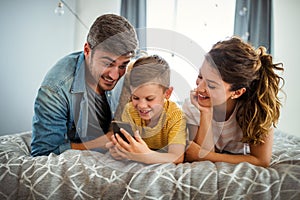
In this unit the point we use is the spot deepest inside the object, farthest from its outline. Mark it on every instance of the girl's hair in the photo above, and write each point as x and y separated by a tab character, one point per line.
240	65
150	69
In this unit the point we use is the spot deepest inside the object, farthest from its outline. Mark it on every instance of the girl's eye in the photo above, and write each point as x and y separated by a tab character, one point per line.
135	98
150	98
200	77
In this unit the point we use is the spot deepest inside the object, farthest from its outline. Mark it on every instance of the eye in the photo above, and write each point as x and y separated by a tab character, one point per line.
107	64
150	98
122	67
211	86
134	97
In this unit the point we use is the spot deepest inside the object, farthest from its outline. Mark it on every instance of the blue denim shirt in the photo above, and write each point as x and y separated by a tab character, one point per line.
61	103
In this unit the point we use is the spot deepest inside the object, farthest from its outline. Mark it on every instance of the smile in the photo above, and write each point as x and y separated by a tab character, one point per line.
144	112
108	79
202	96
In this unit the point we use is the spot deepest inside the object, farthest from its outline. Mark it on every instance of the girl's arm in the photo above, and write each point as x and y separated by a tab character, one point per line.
138	150
260	154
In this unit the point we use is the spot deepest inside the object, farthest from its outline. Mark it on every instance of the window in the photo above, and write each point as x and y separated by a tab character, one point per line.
181	31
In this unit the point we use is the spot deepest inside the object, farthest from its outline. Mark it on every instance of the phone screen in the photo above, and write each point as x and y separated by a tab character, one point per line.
116	125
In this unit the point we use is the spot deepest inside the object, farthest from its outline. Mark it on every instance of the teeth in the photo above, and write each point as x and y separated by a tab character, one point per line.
144	111
202	96
109	80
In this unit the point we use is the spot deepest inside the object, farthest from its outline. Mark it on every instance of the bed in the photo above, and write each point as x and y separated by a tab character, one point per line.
91	175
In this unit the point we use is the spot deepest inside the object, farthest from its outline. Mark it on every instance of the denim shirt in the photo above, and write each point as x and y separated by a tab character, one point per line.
61	106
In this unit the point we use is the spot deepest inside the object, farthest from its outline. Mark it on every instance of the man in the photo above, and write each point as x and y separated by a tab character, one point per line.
74	107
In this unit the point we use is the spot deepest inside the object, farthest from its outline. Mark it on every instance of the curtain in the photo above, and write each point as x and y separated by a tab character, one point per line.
253	22
135	12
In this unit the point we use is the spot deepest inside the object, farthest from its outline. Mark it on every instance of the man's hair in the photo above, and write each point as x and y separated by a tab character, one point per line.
114	34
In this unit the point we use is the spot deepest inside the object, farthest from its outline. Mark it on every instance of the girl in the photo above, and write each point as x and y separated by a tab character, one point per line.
161	135
237	105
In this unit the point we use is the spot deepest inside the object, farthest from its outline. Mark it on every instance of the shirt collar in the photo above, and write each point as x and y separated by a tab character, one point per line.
79	78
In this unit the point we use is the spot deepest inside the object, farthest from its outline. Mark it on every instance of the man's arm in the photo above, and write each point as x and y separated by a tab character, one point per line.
49	123
99	142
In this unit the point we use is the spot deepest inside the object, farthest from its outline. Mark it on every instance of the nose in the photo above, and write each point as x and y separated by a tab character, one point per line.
114	73
142	104
201	85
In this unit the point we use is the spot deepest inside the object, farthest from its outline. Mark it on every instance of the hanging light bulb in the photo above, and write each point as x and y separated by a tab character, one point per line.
59	10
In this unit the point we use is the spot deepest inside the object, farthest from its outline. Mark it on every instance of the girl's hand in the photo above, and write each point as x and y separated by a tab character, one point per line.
112	150
135	150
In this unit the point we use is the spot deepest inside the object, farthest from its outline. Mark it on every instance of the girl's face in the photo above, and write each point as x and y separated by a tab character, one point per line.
148	100
211	89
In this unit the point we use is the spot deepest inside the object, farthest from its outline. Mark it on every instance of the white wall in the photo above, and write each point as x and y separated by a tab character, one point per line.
286	50
89	10
33	38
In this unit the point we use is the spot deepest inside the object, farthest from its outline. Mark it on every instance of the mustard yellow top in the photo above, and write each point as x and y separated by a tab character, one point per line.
170	129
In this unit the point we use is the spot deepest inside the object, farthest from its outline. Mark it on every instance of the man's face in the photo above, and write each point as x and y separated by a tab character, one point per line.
104	69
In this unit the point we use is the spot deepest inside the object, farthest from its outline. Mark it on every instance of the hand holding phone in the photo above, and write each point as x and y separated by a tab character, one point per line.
116	125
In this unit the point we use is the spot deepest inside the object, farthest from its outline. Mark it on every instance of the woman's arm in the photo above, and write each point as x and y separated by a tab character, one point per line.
204	136
260	154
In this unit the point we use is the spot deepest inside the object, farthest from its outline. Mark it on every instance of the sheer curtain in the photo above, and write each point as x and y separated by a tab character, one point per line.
253	22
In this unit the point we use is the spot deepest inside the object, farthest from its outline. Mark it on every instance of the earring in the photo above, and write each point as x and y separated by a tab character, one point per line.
232	97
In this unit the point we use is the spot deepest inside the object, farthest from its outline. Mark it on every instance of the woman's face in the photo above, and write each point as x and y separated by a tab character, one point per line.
148	100
211	89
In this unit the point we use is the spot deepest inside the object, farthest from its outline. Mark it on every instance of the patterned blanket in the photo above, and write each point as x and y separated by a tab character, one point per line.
92	175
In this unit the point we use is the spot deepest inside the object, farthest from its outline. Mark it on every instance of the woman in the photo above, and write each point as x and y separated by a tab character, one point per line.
235	105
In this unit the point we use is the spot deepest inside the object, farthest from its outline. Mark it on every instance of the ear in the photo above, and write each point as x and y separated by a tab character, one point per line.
236	94
86	49
168	92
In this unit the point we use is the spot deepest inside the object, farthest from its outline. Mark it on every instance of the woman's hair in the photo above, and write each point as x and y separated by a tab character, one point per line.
113	33
240	65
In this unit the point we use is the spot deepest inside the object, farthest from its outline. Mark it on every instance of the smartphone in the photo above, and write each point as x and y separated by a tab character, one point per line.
116	125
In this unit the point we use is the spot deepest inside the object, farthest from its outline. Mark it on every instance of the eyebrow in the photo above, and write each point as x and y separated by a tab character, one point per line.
114	61
208	80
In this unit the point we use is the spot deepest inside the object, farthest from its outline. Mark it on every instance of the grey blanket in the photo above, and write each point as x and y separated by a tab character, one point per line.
92	175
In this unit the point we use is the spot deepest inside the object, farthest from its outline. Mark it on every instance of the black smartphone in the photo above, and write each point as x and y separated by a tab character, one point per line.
116	125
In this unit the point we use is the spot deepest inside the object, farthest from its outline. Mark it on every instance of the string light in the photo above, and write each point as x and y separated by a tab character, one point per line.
59	10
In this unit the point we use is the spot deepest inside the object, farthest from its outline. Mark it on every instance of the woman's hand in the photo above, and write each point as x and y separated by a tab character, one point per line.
194	101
